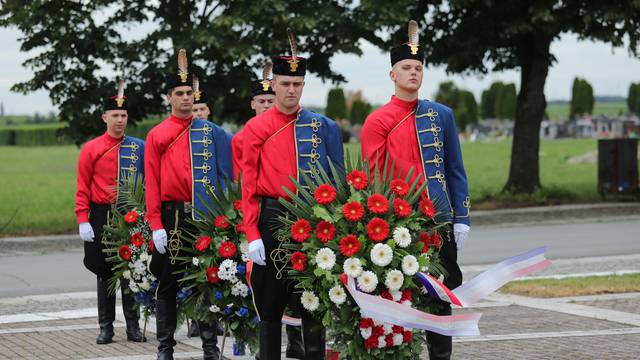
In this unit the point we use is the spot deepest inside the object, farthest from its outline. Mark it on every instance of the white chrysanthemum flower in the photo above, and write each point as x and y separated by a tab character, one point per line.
227	270
133	287
402	237
229	264
366	332
240	289
214	308
388	328
144	285
398	339
394	279
337	295
410	265
325	258
140	267
309	300
126	274
396	295
367	281
352	267
144	256
381	254
195	261
382	343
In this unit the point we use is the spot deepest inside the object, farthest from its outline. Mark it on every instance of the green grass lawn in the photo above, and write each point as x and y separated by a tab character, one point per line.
39	182
561	111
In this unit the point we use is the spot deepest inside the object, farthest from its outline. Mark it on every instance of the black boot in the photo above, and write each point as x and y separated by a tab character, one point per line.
295	348
132	317
314	339
192	329
106	313
270	340
209	340
166	326
439	346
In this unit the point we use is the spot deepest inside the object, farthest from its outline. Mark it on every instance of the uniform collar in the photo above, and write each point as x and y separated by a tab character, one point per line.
279	113
181	121
408	105
110	139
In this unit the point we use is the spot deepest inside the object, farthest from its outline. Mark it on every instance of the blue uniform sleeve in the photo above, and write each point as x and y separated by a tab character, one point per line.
335	149
454	171
224	156
141	170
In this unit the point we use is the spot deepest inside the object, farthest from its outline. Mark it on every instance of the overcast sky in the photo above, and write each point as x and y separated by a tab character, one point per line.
610	71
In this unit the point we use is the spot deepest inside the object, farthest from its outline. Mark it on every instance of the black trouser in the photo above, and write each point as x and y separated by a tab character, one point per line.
94	258
273	290
441	346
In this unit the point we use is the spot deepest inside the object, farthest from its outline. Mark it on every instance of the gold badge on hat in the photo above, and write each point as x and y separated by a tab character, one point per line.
120	96
265	85
293	65
414	37
266	74
183	67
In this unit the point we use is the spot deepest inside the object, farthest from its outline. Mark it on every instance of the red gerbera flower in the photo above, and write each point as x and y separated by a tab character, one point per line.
386	295
131	217
425	238
397	329
202	243
435	240
371	342
358	179
300	230
399	187
353	211
298	261
377	229
401	207
407	337
212	275
366	323
137	240
227	249
349	245
237	204
221	222
377	331
325	194
378	204
325	231
426	206
125	252
388	339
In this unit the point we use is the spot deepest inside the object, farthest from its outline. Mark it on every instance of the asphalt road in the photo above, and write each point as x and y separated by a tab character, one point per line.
64	272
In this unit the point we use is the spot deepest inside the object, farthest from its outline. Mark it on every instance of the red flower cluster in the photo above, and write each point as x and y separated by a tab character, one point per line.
349	245
325	194
137	240
125	252
378	204
227	249
300	230
202	243
212	275
237	205
325	231
353	211
430	240
399	187
426	206
131	217
377	229
221	222
401	207
358	179
298	261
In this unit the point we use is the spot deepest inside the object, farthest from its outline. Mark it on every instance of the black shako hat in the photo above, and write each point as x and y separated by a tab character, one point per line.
410	49
293	65
263	87
182	77
116	102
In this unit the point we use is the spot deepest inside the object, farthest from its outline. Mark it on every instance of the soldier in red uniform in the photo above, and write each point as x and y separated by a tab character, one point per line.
103	162
276	144
422	135
183	157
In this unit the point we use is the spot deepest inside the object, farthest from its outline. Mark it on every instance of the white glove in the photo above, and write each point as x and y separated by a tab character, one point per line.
160	240
256	252
86	232
461	234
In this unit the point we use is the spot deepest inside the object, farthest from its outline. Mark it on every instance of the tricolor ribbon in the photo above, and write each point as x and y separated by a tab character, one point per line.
487	282
395	313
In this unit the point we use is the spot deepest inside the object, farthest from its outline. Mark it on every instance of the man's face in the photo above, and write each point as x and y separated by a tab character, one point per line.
201	111
116	120
288	90
262	103
407	74
181	98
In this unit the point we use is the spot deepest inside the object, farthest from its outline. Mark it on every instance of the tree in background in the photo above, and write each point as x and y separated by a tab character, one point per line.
336	104
582	100
633	98
488	100
461	101
506	102
360	109
480	36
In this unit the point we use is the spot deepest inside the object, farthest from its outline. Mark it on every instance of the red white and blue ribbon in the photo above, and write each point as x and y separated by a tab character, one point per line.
487	282
395	313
